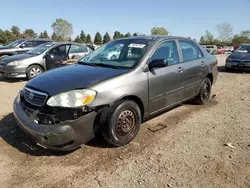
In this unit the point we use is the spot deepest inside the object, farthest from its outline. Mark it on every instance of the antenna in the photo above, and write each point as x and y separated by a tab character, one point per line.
172	30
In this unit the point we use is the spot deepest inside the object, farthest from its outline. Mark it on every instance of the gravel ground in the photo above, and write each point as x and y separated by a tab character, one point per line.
189	146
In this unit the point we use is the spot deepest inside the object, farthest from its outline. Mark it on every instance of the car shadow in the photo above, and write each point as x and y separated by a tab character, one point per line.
223	69
14	136
12	80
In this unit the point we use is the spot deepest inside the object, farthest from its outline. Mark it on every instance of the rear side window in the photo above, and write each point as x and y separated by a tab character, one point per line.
78	49
190	51
30	44
41	42
167	50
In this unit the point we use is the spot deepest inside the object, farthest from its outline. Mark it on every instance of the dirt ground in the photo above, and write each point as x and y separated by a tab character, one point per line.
185	147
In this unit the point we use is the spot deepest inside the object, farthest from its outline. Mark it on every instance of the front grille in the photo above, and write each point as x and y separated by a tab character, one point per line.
34	97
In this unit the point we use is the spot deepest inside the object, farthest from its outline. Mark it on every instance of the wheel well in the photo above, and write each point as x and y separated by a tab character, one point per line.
138	101
210	76
36	65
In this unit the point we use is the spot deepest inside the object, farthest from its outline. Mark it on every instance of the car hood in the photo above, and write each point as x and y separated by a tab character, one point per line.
242	56
72	77
4	48
16	58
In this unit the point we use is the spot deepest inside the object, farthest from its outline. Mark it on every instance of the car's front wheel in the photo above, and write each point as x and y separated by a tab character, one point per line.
33	71
123	123
205	92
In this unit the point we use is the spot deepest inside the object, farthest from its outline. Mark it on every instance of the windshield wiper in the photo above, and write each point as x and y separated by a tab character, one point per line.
89	64
105	65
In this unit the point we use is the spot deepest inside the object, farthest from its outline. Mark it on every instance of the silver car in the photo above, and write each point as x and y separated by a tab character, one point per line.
42	58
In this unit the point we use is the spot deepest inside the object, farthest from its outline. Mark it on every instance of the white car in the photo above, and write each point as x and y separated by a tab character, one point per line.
113	53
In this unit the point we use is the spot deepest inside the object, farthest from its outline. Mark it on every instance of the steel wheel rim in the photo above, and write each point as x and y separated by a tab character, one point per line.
126	123
35	71
205	91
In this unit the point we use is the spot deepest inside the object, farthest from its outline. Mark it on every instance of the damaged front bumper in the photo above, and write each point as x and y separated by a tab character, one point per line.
67	135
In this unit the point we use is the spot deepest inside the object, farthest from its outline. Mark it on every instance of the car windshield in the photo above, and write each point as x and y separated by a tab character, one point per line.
41	48
243	49
118	54
14	44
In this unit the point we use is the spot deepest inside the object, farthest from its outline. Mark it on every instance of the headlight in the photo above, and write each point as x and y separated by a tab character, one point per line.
74	98
14	63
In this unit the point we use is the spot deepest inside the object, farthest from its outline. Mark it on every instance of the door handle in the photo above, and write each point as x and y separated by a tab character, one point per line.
180	70
202	63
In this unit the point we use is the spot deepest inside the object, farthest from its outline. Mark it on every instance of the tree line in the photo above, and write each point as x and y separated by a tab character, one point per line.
226	37
62	31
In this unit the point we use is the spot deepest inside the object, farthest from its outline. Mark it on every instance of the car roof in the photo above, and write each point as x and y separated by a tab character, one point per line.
156	37
38	39
61	43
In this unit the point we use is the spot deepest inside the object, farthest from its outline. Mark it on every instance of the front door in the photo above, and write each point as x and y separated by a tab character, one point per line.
165	84
57	55
193	64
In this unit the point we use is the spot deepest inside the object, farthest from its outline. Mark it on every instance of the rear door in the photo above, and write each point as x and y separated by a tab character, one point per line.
56	55
77	51
166	83
193	64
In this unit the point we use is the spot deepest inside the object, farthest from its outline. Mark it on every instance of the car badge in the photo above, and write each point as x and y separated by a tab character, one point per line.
31	95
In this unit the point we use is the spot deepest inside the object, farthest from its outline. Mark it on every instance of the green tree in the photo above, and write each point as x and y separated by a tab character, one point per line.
159	31
238	39
15	32
202	40
88	39
127	34
29	33
135	34
245	33
78	39
54	37
117	35
83	36
3	37
225	31
106	38
98	38
62	28
70	39
44	35
209	38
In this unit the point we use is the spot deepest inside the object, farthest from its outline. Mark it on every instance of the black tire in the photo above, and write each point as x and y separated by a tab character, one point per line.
30	71
122	123
204	95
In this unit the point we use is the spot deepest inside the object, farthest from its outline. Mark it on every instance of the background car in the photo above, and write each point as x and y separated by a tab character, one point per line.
42	58
212	49
239	59
220	50
20	46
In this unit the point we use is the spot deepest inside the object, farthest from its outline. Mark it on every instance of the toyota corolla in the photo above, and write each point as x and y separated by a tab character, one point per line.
66	107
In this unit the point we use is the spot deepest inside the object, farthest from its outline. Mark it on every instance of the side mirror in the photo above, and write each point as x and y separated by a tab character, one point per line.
22	46
157	63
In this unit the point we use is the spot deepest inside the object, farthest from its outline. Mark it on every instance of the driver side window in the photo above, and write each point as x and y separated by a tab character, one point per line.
167	50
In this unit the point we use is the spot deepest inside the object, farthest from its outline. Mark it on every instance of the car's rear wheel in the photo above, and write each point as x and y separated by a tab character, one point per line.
33	71
122	123
204	95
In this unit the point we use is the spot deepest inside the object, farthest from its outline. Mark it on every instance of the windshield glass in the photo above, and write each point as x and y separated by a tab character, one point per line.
243	49
118	54
41	48
15	43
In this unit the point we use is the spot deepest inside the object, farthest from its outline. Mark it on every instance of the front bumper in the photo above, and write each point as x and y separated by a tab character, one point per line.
238	66
64	136
13	71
